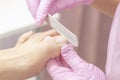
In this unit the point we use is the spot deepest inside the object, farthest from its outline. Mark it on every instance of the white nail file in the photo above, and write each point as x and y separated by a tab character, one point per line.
72	38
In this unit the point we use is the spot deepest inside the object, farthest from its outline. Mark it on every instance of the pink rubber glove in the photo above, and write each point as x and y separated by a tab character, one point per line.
72	67
40	8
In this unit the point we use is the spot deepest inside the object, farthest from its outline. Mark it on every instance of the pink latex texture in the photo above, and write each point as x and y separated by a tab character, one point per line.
113	56
40	8
71	67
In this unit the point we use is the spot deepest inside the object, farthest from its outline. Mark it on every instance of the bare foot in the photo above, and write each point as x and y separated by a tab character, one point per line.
24	37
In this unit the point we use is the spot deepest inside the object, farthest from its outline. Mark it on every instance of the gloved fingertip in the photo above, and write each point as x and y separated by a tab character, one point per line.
67	46
40	19
39	22
51	66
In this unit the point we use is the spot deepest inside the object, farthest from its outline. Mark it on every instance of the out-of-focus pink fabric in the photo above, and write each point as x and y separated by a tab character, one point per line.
40	8
113	57
72	67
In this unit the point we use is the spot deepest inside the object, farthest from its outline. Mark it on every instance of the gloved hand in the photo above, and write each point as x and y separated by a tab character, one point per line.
72	67
40	8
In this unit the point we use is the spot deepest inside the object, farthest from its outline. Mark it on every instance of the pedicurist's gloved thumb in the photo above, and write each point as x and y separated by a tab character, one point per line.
75	69
40	8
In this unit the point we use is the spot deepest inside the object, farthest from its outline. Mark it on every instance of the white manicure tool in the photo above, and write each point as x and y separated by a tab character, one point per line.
72	38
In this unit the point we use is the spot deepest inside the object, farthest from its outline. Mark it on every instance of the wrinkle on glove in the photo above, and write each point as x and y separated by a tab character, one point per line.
40	8
76	69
